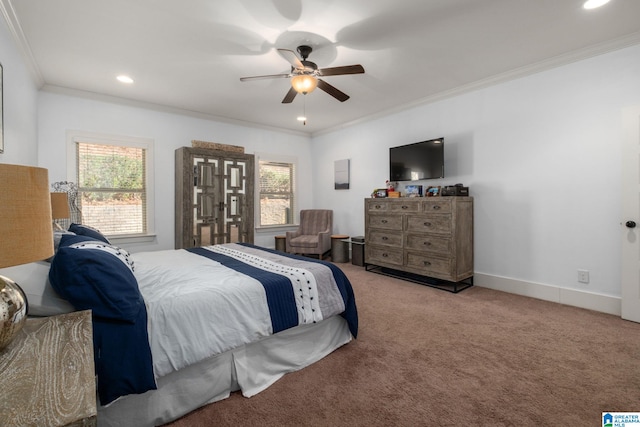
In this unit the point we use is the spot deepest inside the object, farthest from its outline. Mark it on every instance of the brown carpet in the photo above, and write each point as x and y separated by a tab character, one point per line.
425	357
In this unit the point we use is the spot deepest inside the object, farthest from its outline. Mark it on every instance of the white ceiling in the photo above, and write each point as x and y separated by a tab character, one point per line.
190	54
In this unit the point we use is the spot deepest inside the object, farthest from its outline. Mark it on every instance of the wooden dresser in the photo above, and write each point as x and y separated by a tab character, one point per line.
427	236
47	373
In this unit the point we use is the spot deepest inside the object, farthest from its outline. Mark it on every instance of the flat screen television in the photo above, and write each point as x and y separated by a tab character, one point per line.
414	162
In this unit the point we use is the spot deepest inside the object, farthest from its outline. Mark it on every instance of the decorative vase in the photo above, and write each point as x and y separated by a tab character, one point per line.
13	310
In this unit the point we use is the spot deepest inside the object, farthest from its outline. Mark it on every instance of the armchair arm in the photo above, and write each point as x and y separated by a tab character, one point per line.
324	238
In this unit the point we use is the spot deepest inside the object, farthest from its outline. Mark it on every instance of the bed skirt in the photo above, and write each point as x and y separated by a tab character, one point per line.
251	369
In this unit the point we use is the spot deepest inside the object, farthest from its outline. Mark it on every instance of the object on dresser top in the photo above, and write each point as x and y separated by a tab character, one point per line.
455	190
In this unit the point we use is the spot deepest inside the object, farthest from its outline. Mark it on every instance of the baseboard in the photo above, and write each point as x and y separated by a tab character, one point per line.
572	297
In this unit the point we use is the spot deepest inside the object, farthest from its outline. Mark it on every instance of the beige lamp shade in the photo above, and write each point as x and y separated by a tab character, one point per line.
26	232
59	206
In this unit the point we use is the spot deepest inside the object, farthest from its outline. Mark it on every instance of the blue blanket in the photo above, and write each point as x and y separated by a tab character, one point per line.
96	276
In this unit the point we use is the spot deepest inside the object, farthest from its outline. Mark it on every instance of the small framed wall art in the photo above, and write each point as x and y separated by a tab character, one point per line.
341	174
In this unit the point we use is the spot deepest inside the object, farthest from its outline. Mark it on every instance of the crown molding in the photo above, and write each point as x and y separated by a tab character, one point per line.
93	96
13	24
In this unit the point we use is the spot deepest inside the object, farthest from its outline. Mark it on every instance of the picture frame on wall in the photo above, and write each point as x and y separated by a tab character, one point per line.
341	174
1	114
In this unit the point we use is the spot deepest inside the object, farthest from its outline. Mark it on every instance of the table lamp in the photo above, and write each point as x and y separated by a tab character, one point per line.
59	208
26	235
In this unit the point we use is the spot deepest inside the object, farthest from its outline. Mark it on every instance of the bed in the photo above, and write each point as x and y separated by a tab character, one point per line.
177	329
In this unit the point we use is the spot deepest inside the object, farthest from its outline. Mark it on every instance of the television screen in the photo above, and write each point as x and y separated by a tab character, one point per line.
413	162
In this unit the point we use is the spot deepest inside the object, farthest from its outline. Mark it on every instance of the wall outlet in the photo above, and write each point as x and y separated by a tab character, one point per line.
583	276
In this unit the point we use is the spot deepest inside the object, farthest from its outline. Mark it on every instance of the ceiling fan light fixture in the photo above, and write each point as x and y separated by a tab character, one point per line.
594	4
124	79
304	83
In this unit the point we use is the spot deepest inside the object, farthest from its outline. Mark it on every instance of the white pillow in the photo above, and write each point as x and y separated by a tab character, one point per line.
33	278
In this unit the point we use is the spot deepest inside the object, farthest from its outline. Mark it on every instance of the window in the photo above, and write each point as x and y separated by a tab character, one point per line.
113	177
276	192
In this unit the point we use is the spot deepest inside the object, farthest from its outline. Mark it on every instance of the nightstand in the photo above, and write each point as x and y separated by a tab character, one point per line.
48	376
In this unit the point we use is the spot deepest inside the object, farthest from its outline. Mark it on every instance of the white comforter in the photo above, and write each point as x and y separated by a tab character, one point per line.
198	308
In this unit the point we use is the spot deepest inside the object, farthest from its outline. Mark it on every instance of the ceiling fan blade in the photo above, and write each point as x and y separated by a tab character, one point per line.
347	69
333	91
291	57
288	98
270	76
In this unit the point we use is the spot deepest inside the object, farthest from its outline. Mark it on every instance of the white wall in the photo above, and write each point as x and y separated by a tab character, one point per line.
59	113
19	106
541	156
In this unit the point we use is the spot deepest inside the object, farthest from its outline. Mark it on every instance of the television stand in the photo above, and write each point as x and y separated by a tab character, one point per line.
444	285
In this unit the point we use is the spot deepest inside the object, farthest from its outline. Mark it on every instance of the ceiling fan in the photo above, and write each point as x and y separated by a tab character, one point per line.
305	75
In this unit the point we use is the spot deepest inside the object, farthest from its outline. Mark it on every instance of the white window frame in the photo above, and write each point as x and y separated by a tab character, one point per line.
275	158
75	136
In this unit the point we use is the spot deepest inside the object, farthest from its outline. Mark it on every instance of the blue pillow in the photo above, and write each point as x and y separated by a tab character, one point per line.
96	276
85	230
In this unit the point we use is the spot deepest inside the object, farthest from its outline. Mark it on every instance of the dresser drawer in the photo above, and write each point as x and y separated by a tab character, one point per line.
429	243
386	222
439	205
429	224
387	238
405	206
431	265
375	254
378	205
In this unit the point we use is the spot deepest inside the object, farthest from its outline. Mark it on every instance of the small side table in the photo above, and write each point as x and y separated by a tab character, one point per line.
281	243
339	248
357	250
48	377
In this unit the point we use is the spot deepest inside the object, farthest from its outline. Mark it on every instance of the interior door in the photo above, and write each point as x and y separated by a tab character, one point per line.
630	225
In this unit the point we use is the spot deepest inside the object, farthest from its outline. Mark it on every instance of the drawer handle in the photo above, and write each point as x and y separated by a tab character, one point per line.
385	238
436	207
427	243
384	221
385	255
405	207
378	206
427	224
426	263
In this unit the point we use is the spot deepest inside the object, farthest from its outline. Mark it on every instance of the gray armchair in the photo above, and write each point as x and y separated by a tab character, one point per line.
313	237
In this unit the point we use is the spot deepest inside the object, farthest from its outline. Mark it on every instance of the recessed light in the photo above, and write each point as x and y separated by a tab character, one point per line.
301	118
593	4
124	79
